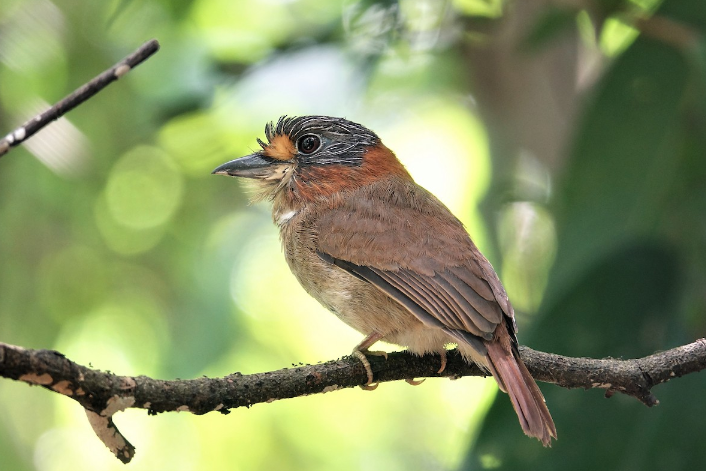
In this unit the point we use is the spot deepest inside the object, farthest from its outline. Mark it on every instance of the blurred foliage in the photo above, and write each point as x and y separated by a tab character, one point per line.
580	139
629	272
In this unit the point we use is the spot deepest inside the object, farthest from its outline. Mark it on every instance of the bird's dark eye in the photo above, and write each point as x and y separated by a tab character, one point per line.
308	144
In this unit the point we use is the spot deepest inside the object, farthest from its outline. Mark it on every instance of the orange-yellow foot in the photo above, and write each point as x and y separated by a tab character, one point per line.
369	386
360	350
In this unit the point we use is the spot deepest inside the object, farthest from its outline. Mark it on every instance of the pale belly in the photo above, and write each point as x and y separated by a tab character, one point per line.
360	304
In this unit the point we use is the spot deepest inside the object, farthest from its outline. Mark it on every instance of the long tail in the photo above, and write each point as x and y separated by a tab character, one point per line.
514	379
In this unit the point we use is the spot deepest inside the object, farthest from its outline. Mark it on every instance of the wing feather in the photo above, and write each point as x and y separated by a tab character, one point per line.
398	292
468	317
474	278
439	276
488	309
441	309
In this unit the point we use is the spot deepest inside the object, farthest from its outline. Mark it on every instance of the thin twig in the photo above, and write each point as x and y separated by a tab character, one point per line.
669	31
103	394
80	95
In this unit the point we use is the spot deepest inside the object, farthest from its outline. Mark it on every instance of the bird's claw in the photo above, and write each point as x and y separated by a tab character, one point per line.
443	362
369	386
366	364
377	353
415	382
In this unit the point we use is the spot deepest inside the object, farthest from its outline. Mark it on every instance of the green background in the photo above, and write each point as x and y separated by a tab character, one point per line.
570	144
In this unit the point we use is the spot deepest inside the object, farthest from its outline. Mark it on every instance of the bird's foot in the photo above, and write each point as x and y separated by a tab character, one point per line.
366	364
369	386
359	350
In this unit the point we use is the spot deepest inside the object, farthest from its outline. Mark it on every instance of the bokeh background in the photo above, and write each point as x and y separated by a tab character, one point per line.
569	136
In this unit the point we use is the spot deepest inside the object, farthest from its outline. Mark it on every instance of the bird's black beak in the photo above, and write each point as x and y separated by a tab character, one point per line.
251	166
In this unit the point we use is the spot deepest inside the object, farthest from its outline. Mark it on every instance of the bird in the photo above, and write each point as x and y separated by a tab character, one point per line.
385	255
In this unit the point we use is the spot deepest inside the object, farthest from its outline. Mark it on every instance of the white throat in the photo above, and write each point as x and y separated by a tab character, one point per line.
285	217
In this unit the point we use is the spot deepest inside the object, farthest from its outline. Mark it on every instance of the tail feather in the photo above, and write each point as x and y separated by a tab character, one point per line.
527	400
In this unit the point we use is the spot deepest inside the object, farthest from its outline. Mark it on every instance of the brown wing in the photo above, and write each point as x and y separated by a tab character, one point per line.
412	248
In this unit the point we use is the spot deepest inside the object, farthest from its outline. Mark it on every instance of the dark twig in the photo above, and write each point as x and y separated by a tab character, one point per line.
104	394
669	31
80	95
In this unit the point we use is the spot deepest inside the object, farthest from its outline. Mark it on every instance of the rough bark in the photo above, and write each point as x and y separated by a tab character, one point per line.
103	394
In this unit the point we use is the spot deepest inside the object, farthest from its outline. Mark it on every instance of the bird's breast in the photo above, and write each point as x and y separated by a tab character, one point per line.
356	302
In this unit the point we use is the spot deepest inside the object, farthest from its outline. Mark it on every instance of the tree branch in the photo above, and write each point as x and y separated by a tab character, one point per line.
80	95
103	394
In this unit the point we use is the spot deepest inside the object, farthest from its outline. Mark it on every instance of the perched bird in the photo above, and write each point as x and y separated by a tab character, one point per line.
385	255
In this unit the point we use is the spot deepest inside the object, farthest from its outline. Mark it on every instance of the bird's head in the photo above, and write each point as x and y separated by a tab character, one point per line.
311	157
